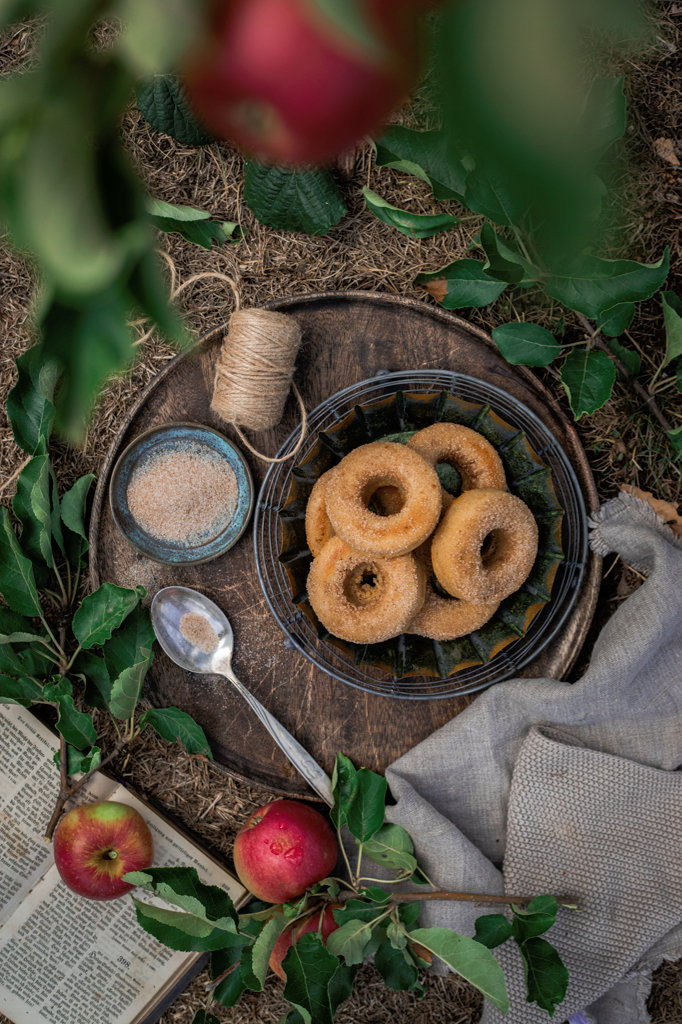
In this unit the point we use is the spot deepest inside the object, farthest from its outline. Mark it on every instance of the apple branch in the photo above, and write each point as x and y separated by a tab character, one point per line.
66	791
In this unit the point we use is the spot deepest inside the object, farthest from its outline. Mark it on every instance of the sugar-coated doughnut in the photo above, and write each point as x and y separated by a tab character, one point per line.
364	599
469	452
318	529
447	618
485	545
362	473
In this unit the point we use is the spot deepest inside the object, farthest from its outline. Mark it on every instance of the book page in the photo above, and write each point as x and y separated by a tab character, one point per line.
65	959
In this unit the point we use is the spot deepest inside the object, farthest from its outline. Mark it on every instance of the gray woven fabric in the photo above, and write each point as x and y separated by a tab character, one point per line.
573	787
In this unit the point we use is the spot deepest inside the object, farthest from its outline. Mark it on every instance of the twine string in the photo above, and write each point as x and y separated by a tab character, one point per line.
254	372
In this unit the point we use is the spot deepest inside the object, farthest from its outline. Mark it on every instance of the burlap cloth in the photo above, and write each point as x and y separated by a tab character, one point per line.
542	786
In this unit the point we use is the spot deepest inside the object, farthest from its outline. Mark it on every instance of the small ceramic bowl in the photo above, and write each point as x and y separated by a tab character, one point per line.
181	438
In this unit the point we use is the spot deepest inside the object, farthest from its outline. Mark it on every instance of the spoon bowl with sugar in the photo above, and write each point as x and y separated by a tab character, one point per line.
197	635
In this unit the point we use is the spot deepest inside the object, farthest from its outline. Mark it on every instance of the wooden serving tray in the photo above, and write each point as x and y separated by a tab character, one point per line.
347	337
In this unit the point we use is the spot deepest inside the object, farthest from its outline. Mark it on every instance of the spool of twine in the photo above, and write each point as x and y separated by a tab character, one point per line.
254	373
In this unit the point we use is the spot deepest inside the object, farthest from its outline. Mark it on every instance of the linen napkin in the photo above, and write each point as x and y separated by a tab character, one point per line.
545	786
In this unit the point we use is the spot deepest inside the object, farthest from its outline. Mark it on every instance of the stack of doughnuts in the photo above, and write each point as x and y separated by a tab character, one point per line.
393	552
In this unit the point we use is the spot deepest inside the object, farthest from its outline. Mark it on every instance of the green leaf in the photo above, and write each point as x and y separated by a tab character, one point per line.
391	846
317	983
524	344
30	406
228	991
58	687
344	780
126	689
183	888
102	612
427	155
468	958
77	761
487	193
264	945
672	317
397	968
588	376
367	806
604	115
96	679
17	581
186	932
462	283
307	201
10	622
194	225
675	437
537	918
32	507
178	727
593	285
72	508
631	360
155	34
163	102
19	691
615	320
21	638
350	940
76	727
503	262
492	930
130	643
408	913
359	910
204	1017
546	974
414	225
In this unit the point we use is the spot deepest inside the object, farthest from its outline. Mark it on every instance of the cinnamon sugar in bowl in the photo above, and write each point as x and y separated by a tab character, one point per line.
181	493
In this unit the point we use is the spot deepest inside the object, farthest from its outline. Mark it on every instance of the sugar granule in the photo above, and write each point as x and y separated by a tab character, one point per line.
199	632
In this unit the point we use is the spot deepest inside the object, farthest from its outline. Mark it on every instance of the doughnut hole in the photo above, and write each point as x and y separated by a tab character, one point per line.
363	584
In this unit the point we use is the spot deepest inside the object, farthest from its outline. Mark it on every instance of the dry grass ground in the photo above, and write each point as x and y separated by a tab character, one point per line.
623	443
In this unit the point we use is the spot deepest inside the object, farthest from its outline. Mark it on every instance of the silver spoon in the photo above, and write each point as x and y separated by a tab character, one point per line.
168	607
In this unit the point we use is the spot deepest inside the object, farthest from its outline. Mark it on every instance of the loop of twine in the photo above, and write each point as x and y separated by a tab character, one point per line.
250	386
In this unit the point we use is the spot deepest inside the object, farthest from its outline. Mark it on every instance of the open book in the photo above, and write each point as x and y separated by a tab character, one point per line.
65	959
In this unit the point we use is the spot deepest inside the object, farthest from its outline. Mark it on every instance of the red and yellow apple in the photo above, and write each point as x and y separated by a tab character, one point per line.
96	844
320	921
284	848
290	83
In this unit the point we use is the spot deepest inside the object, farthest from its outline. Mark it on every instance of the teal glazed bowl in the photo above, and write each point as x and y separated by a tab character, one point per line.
203	443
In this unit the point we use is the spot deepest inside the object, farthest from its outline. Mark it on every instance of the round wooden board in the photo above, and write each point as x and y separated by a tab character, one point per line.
347	337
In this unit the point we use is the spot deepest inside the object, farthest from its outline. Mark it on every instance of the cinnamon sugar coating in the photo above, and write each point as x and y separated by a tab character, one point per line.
485	546
368	470
469	452
318	529
364	599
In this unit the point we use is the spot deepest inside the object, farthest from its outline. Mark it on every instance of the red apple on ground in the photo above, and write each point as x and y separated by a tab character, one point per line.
292	84
285	847
96	844
321	921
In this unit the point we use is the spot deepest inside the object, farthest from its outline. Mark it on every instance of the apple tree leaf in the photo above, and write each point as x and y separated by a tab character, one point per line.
546	974
30	403
487	192
77	761
183	888
427	155
593	285
344	781
163	103
504	262
672	318
366	807
317	982
492	930
181	931
72	514
177	726
630	358
75	726
605	113
102	612
462	284
96	679
588	376
307	201
194	225
468	958
254	966
130	643
524	344
204	1017
360	910
397	968
17	579
225	961
615	320
32	506
126	689
414	225
537	918
19	691
391	846
350	940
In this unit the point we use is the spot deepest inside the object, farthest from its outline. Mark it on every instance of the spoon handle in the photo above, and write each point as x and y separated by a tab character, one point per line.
315	776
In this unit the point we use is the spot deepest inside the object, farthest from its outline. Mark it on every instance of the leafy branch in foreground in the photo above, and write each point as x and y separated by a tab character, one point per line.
341	922
55	649
512	253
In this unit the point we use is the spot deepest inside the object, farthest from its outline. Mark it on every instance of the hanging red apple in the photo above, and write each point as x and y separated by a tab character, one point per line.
290	84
